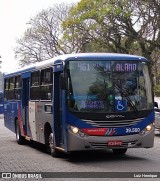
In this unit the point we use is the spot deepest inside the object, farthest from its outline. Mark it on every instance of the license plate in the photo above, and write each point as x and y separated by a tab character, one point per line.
114	143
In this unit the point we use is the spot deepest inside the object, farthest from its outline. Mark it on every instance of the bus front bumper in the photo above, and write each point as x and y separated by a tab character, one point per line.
77	142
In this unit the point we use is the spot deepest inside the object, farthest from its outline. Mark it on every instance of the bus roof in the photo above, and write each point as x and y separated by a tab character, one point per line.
78	56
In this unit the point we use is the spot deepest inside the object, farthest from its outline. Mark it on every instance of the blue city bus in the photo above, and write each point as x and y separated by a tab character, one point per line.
85	101
1	102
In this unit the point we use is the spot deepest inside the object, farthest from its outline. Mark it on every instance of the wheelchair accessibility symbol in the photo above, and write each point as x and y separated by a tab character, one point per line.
121	105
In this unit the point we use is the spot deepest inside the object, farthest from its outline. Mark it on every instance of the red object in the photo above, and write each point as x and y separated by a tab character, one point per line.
114	143
95	131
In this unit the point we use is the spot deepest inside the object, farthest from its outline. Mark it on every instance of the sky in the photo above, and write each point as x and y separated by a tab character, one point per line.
14	15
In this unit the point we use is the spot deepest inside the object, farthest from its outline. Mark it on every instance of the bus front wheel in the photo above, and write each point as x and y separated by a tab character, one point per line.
119	151
53	151
19	138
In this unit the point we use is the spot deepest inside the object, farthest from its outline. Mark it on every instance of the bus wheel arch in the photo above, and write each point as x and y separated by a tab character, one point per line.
49	141
47	131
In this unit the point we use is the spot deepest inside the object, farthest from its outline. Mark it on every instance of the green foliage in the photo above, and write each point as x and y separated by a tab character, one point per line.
98	21
123	26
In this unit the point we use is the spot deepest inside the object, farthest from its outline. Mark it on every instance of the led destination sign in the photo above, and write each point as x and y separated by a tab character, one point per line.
106	66
125	67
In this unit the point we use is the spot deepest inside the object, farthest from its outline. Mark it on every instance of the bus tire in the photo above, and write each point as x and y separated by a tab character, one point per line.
19	138
119	151
55	153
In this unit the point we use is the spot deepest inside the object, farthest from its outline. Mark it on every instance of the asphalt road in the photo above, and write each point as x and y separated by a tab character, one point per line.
32	158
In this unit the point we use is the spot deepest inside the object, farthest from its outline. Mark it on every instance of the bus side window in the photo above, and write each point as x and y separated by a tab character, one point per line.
35	86
11	88
6	87
46	84
18	83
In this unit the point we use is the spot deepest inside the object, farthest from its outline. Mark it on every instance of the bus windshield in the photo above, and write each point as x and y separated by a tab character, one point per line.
108	86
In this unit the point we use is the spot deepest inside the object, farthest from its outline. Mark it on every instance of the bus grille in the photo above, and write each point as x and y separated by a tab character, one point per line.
109	124
104	145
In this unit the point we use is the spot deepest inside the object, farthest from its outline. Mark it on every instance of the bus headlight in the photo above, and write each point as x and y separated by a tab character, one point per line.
147	129
74	129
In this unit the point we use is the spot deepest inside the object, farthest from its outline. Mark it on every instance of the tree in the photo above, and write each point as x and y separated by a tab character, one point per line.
124	26
42	40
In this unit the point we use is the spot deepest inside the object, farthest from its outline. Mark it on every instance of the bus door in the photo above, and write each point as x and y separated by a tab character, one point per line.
25	101
59	114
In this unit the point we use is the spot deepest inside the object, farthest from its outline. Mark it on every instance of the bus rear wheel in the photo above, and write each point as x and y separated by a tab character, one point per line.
55	153
19	138
119	151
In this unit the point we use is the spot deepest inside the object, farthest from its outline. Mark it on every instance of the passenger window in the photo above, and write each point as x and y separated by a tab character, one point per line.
18	84
6	87
46	76
35	86
11	88
35	77
46	84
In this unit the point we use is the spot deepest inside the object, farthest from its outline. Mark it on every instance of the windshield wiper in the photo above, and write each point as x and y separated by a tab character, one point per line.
124	94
